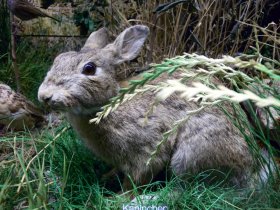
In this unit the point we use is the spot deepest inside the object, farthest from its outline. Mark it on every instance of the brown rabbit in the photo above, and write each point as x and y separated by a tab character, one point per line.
79	83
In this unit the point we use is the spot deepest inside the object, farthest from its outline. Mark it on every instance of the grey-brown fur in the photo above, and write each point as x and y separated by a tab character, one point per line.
125	139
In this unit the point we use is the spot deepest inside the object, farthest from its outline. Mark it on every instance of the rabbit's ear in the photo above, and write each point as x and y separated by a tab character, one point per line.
129	43
97	40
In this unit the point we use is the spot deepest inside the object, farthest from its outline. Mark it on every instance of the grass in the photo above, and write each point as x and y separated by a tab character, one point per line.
54	176
204	27
63	174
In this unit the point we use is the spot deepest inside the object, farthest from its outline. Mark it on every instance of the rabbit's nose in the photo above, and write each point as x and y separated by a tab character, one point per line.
45	95
45	98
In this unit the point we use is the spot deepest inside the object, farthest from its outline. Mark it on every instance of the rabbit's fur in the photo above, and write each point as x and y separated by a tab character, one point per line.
125	138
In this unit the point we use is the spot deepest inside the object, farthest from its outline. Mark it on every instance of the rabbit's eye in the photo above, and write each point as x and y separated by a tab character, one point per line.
89	69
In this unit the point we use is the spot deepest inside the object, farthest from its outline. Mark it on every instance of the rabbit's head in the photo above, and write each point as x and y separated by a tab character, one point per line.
79	82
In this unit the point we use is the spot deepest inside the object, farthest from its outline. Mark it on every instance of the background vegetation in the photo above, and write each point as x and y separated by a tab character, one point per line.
52	169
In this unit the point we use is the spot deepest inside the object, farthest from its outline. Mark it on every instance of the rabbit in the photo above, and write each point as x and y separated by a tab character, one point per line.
80	83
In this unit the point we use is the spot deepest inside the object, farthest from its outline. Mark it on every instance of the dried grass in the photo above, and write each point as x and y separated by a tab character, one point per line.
212	28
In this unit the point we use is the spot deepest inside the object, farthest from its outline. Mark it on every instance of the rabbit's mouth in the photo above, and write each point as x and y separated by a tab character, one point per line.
56	106
75	108
58	100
